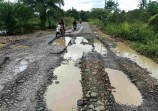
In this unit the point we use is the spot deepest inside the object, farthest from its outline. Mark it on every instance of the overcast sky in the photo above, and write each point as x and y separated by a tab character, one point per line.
89	4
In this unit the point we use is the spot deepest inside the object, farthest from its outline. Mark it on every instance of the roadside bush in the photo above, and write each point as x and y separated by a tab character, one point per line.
150	49
98	23
113	29
137	26
69	21
125	30
16	18
154	22
140	32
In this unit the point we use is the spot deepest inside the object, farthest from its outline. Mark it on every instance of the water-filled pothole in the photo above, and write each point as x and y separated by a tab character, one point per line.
125	51
22	65
63	95
125	92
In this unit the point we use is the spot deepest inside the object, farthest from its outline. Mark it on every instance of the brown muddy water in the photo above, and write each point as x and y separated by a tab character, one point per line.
125	51
125	92
63	94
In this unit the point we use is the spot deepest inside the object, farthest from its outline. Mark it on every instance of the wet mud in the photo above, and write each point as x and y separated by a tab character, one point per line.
80	72
66	90
144	62
139	76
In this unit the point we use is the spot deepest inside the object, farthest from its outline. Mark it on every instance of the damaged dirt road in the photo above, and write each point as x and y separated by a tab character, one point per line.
79	72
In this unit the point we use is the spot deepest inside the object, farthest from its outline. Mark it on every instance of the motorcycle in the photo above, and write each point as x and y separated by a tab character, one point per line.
60	30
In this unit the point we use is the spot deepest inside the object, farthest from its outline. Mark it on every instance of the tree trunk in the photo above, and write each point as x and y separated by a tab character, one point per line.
43	18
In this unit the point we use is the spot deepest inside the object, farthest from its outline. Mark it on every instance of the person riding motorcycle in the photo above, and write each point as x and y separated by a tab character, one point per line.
60	30
62	24
74	25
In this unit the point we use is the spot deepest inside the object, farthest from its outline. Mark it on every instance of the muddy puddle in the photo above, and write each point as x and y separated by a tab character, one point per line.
63	94
21	66
66	90
125	92
80	45
125	51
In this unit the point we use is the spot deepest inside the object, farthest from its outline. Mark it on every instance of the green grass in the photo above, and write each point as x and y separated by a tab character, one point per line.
143	38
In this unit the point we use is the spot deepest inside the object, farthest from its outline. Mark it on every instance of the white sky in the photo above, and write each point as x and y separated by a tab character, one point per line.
89	4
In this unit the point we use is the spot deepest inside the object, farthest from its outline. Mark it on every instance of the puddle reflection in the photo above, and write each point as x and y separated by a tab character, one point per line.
64	96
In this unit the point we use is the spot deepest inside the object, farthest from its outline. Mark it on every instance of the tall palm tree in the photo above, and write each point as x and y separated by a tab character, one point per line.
44	6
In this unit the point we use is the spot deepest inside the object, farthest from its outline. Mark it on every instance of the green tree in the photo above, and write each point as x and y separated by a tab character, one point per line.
84	15
111	5
152	7
15	17
7	19
23	15
101	14
143	3
72	13
98	13
140	15
54	16
44	6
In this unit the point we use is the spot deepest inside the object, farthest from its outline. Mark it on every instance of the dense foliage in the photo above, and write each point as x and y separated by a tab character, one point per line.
83	15
15	17
139	26
27	15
